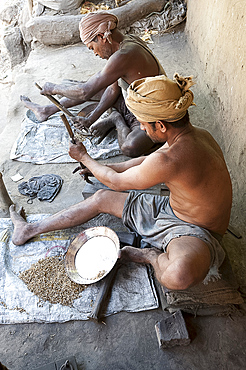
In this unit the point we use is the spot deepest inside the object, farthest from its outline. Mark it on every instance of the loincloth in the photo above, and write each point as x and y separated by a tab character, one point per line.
152	217
130	120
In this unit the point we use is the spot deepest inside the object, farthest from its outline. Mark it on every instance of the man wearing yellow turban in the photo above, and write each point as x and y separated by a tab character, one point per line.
181	232
128	58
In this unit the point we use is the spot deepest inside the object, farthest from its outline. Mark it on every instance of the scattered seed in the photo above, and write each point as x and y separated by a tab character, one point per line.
48	280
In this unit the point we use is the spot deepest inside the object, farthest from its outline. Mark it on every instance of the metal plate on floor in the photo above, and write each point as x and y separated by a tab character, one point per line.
92	255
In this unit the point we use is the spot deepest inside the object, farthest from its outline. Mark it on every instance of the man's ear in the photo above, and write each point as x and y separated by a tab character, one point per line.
101	36
161	126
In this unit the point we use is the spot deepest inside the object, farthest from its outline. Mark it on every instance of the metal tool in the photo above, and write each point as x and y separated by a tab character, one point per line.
67	366
85	131
70	132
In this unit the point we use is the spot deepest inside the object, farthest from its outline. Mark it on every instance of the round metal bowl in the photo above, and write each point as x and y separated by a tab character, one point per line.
92	255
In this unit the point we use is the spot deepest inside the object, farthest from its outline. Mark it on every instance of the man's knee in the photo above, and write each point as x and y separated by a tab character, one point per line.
181	275
130	149
100	196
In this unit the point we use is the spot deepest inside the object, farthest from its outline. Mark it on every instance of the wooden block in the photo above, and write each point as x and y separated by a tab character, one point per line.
234	231
129	238
2	367
172	331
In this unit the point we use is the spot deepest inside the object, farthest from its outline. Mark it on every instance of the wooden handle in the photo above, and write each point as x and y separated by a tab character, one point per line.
68	127
103	293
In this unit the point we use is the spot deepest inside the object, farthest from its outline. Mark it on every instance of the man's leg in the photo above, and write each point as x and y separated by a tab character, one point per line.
135	142
103	201
132	141
185	264
43	112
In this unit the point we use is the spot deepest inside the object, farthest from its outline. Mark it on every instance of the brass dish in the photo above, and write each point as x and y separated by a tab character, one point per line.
92	255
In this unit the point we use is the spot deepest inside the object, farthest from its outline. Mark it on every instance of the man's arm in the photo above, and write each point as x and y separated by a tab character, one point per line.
113	70
79	92
139	173
123	166
107	100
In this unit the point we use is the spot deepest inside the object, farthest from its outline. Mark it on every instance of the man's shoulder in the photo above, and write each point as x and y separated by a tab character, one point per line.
126	55
132	43
162	154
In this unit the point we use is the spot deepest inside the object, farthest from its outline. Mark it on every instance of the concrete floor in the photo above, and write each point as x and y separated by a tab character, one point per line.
127	341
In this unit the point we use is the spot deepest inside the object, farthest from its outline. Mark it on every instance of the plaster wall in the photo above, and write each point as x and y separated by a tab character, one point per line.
216	31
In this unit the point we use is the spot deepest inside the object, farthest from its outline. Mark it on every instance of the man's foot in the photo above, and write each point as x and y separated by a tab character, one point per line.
37	109
145	255
101	128
21	228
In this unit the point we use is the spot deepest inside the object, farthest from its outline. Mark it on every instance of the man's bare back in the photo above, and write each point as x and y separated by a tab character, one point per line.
199	169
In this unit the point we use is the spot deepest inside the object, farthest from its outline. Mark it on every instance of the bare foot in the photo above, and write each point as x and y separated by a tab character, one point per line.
37	109
21	228
145	255
100	128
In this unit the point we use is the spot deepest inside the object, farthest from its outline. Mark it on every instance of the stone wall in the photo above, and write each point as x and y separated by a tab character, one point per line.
217	33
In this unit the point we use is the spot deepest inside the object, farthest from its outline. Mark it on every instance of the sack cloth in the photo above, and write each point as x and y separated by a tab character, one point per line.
45	187
219	297
48	141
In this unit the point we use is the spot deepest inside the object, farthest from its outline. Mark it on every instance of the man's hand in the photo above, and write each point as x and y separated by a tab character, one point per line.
85	171
81	122
77	151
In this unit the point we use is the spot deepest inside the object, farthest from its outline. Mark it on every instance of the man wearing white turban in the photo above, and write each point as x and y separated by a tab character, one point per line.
128	58
181	233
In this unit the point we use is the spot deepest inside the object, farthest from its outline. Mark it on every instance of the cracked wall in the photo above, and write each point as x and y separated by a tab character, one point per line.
217	34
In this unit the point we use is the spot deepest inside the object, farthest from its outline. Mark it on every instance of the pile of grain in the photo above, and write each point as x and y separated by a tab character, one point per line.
48	280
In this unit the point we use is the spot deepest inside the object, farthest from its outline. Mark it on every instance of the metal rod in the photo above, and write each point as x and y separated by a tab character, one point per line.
70	132
63	109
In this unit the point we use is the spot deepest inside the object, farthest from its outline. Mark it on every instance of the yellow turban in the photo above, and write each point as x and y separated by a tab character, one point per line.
97	22
158	98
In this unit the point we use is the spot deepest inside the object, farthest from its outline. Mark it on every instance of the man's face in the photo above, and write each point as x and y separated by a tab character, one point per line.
101	47
152	132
